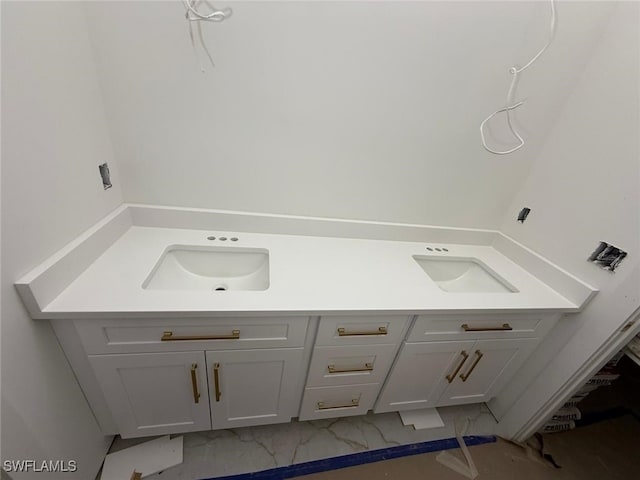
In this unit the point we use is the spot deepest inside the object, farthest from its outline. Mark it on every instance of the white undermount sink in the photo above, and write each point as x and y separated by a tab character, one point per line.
217	269
463	275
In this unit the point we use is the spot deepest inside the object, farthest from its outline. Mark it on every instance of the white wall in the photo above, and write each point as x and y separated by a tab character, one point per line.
585	188
366	110
54	135
330	109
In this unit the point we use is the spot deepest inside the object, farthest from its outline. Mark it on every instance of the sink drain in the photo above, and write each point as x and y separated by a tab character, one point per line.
220	288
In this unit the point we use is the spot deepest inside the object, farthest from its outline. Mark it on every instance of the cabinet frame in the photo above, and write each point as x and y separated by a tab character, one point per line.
304	334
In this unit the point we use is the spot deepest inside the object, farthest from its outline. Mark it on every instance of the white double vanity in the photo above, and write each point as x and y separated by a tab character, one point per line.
185	320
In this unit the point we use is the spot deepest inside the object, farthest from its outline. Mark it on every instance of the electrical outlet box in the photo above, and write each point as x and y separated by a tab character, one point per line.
607	256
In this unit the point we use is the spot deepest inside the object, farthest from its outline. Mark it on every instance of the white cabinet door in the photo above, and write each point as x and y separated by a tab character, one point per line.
419	375
254	387
490	365
155	393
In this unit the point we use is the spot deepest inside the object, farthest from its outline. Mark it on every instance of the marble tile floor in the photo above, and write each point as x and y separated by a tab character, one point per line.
219	453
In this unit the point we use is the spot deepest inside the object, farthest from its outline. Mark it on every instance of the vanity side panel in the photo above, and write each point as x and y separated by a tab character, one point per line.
77	357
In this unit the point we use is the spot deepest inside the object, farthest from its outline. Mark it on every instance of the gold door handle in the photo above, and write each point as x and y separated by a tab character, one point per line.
505	327
355	402
479	355
216	380
451	377
169	337
368	367
194	383
343	333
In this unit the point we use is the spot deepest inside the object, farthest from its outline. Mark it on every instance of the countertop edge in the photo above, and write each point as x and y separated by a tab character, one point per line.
289	313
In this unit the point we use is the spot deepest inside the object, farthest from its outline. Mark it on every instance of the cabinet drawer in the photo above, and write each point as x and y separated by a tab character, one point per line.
459	327
161	335
332	402
350	364
361	329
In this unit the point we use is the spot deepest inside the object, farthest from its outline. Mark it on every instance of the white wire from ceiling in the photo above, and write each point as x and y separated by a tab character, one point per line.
515	71
195	15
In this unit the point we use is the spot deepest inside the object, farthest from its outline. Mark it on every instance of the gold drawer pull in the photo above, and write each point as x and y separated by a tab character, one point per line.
355	402
368	367
194	383
343	333
505	327
450	378
216	380
168	337
479	355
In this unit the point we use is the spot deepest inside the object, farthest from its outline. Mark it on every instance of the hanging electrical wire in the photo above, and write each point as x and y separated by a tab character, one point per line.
194	14
515	72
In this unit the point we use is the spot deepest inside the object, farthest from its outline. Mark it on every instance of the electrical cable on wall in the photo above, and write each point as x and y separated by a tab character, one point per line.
515	71
194	14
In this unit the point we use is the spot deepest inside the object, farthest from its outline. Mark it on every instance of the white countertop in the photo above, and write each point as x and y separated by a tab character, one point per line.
309	275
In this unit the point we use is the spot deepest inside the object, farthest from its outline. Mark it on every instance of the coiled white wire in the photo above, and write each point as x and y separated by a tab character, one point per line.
515	71
194	15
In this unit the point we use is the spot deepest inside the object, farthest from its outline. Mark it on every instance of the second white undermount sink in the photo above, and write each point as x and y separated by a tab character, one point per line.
463	275
186	267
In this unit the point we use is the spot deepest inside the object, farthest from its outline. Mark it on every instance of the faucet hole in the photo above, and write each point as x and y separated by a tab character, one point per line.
220	288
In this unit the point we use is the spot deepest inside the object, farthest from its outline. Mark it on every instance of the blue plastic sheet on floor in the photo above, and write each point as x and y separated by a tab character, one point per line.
359	458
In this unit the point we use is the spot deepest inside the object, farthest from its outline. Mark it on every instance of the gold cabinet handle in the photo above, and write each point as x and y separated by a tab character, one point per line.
194	383
216	381
368	367
169	337
355	402
451	377
505	327
343	333
479	355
